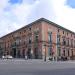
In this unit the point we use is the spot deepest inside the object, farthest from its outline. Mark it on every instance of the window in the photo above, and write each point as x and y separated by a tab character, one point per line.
68	42
64	42
24	42
36	38
59	51
14	43
29	40
58	39
0	46
8	44
67	34
68	52
18	41
64	52
71	42
20	32
74	43
71	35
72	52
24	31
49	51
50	37
63	32
58	30
29	28
29	53
11	35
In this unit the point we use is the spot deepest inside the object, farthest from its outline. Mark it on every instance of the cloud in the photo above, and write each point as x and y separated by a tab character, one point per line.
15	16
57	11
65	15
43	9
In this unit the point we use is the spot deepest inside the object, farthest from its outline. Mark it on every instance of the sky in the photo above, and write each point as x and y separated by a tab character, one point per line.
15	14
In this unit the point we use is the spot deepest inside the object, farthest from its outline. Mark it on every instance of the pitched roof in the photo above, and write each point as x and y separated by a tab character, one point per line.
39	20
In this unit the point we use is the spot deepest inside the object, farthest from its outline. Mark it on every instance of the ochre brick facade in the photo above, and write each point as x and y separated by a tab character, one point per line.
39	39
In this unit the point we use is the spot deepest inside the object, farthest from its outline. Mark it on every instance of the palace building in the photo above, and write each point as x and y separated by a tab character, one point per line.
38	40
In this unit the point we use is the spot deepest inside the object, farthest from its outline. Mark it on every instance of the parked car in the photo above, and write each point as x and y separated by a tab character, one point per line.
64	58
7	57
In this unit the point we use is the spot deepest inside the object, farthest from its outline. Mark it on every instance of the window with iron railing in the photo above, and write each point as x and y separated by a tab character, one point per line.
58	39
13	44
59	51
74	43
67	41
36	38
49	51
30	40
68	53
0	46
50	37
64	41
17	42
24	42
71	42
63	52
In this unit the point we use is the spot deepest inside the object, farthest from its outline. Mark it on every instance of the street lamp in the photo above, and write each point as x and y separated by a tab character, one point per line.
45	52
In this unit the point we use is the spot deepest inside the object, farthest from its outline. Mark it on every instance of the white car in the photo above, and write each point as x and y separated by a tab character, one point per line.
7	57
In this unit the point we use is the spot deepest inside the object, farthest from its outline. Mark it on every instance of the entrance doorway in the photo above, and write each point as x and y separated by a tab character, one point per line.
36	53
29	53
23	53
18	54
14	52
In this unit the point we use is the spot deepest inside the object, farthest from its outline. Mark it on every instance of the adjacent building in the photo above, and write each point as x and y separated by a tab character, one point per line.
38	40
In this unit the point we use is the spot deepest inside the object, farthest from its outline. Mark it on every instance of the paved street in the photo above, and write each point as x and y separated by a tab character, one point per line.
36	67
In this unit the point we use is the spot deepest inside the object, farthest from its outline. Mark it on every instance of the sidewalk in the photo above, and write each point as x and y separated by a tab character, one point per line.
34	60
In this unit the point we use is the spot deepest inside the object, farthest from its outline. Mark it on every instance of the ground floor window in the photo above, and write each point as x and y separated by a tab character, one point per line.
14	52
59	51
23	53
68	52
50	51
36	55
18	54
63	52
29	53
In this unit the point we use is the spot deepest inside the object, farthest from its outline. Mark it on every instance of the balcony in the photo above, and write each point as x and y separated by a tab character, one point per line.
64	43
58	43
13	45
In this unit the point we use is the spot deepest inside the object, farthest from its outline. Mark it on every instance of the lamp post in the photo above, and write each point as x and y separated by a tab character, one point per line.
45	52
